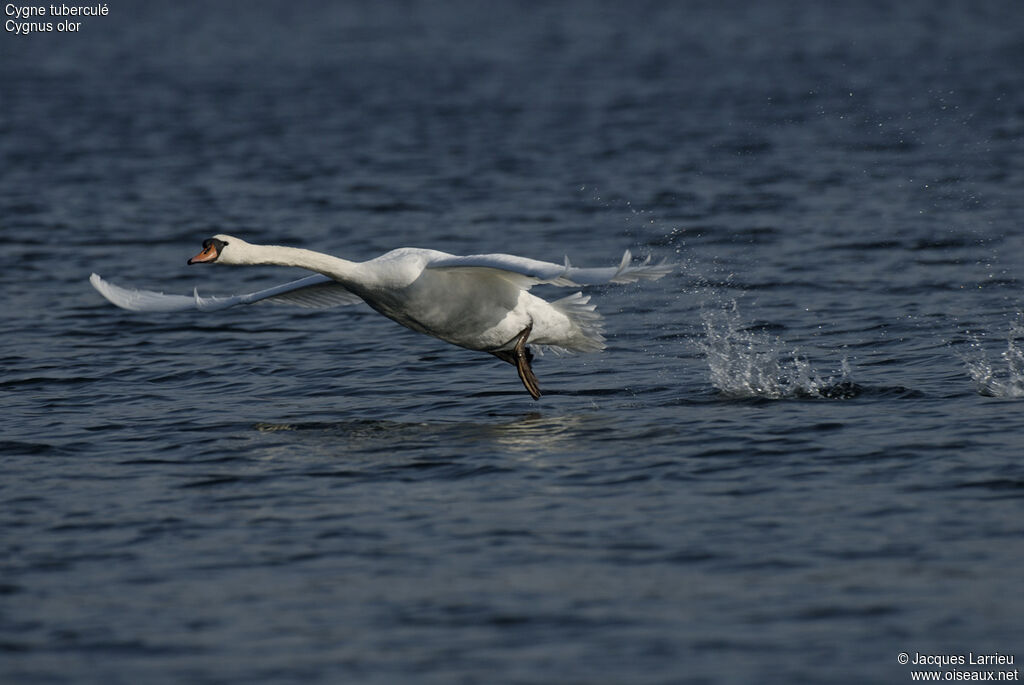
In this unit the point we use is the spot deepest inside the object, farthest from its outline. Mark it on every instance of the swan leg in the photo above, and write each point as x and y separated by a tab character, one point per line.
521	356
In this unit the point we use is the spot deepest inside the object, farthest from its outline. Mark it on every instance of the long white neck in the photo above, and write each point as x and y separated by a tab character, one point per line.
246	253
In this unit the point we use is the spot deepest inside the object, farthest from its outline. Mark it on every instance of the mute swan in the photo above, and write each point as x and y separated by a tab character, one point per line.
480	302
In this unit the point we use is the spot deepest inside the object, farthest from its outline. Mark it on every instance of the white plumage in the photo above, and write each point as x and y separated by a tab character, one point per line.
480	302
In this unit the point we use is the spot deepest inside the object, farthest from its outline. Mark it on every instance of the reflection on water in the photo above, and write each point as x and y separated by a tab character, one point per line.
538	433
530	433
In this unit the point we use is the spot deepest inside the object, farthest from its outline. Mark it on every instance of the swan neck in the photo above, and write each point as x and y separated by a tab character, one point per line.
280	255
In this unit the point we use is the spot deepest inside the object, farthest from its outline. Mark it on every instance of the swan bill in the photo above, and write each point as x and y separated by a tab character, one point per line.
210	253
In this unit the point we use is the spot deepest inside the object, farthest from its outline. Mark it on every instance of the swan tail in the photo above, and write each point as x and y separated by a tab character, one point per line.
589	324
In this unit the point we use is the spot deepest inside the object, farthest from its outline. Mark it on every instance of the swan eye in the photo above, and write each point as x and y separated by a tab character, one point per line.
215	244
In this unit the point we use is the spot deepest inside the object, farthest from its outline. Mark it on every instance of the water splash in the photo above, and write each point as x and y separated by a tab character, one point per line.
1005	381
751	364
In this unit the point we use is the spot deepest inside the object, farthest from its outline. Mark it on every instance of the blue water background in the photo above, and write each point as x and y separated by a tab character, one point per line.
800	455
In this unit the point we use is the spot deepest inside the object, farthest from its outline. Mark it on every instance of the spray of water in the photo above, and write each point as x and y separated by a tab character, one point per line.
747	363
995	379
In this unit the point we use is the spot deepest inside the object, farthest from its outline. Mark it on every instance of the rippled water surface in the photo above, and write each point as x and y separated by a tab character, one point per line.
800	455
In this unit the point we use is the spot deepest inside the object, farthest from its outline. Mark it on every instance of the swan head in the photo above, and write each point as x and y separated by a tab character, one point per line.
222	249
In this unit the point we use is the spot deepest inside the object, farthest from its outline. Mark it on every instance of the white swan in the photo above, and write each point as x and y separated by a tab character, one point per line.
480	302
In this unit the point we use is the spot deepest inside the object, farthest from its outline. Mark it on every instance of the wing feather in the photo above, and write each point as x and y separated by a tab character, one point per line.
527	272
313	291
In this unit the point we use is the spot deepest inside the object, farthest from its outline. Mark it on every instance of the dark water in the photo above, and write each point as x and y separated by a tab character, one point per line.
800	455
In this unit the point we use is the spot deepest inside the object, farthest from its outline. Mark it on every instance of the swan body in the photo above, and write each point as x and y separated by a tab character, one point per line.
479	302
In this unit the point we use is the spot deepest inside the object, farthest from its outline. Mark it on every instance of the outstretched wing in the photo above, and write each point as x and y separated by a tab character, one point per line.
313	291
528	272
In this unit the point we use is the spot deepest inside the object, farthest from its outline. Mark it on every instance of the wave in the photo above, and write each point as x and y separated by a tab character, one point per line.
749	364
995	379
